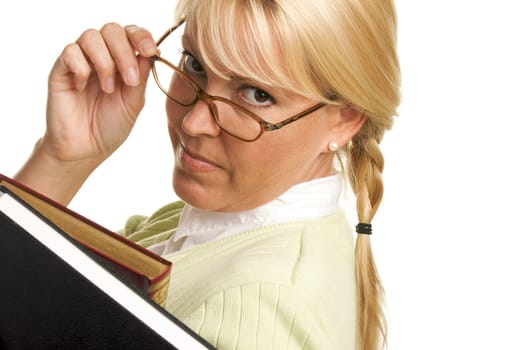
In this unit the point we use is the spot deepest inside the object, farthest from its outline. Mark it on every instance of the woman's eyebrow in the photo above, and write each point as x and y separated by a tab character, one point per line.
185	40
186	43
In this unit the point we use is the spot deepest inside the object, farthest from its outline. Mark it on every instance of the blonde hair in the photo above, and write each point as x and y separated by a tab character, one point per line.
320	49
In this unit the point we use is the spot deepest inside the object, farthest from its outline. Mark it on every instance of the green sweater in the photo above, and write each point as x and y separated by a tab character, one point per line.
283	286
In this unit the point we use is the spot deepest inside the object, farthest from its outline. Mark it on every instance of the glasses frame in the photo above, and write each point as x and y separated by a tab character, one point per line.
209	99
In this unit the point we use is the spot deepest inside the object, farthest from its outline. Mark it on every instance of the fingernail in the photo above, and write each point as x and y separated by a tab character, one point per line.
132	28
133	76
148	47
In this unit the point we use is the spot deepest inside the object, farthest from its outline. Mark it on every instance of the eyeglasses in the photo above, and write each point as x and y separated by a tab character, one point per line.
234	119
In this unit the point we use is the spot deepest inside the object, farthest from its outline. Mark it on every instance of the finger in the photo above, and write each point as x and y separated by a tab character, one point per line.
122	52
134	96
94	48
72	62
144	68
141	40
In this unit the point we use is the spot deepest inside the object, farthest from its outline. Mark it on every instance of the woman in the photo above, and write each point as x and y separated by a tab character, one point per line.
263	97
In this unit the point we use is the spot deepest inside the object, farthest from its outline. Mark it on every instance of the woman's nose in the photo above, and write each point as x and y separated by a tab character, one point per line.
199	120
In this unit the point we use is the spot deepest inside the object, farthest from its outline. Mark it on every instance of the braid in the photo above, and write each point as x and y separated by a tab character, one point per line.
365	167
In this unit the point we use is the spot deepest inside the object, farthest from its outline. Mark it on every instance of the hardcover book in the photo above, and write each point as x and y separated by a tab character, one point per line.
69	283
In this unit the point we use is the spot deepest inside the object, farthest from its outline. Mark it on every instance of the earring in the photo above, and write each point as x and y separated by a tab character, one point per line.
333	146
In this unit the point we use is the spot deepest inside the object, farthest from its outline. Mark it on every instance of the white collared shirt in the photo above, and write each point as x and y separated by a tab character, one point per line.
308	200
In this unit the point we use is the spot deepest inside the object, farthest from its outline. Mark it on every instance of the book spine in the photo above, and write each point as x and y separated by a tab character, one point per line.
158	291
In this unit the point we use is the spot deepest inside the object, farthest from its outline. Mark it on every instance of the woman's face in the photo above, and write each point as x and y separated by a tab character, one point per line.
215	171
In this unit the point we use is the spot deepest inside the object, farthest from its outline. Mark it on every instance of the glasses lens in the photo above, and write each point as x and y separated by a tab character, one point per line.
236	121
175	74
174	83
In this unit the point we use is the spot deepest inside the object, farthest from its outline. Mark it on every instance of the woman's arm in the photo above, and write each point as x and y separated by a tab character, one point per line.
96	90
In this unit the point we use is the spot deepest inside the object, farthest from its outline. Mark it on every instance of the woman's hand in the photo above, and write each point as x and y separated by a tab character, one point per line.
96	90
95	93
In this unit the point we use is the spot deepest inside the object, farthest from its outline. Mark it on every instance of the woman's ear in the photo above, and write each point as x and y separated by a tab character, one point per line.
348	122
353	119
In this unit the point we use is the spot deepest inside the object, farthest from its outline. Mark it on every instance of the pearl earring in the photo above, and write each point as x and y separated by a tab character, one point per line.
333	146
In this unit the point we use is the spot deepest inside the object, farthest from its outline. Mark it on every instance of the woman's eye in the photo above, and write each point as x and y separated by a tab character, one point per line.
255	96
190	64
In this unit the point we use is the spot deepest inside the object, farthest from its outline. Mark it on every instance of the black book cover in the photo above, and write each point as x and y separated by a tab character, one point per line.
47	304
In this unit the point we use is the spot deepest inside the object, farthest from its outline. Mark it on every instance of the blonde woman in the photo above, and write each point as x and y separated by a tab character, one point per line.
262	97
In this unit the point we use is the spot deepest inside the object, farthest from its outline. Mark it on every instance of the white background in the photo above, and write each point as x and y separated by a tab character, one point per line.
449	237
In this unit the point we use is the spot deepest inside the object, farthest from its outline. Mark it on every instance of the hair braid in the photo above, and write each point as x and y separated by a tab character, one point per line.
365	167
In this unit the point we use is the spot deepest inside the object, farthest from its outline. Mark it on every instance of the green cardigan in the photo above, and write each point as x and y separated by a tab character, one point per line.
283	286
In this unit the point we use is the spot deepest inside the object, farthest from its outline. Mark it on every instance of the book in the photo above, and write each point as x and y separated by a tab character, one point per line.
68	283
146	270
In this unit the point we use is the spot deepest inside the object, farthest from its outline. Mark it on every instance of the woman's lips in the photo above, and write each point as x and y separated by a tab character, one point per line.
195	162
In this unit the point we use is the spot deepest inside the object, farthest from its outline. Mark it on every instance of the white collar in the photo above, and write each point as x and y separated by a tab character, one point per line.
308	200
